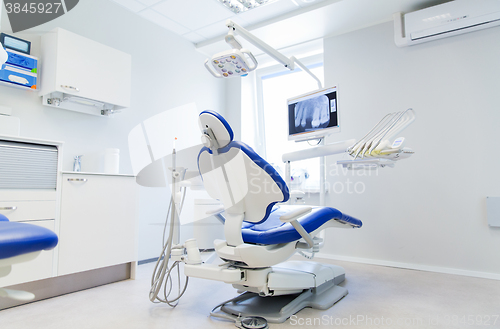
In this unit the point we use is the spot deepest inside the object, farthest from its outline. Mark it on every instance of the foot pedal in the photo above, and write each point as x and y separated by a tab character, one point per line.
252	322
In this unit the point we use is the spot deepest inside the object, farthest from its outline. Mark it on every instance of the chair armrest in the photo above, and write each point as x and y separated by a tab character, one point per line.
303	233
215	211
293	215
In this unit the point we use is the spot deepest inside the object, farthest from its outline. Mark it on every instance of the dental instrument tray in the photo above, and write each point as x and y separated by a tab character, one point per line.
380	142
366	163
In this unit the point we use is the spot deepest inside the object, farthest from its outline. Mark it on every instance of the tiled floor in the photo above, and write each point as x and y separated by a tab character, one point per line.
379	297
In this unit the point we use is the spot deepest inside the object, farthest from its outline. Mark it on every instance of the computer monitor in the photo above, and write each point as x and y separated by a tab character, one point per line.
313	115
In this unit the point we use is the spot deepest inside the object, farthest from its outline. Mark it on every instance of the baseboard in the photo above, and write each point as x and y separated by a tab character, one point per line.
436	269
147	261
70	283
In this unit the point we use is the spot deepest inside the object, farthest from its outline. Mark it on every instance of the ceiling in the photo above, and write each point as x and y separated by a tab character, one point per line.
201	20
282	23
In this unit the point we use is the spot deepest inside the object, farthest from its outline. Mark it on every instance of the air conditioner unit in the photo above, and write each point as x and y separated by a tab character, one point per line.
445	20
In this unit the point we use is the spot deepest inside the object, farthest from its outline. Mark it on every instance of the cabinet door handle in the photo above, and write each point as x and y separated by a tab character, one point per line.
8	208
70	87
77	179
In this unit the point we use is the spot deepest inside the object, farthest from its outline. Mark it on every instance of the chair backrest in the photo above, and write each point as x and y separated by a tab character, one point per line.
235	174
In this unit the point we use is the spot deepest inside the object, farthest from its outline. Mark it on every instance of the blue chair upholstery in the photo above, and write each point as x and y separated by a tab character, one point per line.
261	163
20	238
274	231
270	230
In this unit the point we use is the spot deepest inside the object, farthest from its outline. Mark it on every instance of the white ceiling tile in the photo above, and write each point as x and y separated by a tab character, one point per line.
240	21
193	37
306	3
132	5
193	14
268	11
163	21
149	2
213	30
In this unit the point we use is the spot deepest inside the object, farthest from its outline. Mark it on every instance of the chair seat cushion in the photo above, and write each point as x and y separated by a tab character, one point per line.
274	231
20	238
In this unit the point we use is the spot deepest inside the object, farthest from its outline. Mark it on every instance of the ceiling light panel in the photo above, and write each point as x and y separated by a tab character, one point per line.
240	6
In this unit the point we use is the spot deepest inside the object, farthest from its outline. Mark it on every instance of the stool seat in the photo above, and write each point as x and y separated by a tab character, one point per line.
21	238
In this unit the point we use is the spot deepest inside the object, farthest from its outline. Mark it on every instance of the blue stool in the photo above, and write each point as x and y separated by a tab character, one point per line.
21	242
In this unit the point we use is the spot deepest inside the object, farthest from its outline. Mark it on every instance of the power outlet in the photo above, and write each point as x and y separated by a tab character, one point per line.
493	210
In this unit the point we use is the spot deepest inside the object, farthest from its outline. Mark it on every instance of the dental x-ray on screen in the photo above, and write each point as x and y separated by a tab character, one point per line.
313	115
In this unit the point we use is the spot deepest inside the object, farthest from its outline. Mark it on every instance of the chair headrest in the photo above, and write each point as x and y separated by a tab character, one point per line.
217	133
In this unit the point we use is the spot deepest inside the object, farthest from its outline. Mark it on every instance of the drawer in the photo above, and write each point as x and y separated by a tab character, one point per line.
21	211
28	194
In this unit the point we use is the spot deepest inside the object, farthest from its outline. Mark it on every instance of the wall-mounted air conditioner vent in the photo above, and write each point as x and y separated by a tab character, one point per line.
449	19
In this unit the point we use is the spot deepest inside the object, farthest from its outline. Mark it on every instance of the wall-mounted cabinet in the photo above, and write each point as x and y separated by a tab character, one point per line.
83	75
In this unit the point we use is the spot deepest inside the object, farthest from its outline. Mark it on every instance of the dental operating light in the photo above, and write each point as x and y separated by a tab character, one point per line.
238	58
232	63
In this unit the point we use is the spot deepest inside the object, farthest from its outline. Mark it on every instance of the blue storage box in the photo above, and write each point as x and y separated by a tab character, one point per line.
22	61
17	76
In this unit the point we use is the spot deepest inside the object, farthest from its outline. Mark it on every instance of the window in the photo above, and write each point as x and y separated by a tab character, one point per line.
277	87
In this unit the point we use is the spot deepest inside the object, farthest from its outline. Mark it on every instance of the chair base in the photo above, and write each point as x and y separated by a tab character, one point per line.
277	309
5	269
19	295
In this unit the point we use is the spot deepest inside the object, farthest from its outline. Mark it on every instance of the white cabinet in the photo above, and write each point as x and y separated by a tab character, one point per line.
29	194
98	222
83	75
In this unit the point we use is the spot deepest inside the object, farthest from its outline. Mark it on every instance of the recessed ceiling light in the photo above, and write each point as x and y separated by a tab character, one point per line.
239	6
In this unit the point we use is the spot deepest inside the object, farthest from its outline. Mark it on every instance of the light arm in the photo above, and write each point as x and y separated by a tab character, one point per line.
279	57
302	66
289	63
231	40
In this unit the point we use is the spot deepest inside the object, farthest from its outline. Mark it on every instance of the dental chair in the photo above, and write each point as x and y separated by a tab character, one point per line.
262	233
20	242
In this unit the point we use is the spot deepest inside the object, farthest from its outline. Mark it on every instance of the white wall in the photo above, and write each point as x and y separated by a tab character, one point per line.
166	72
234	105
430	211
